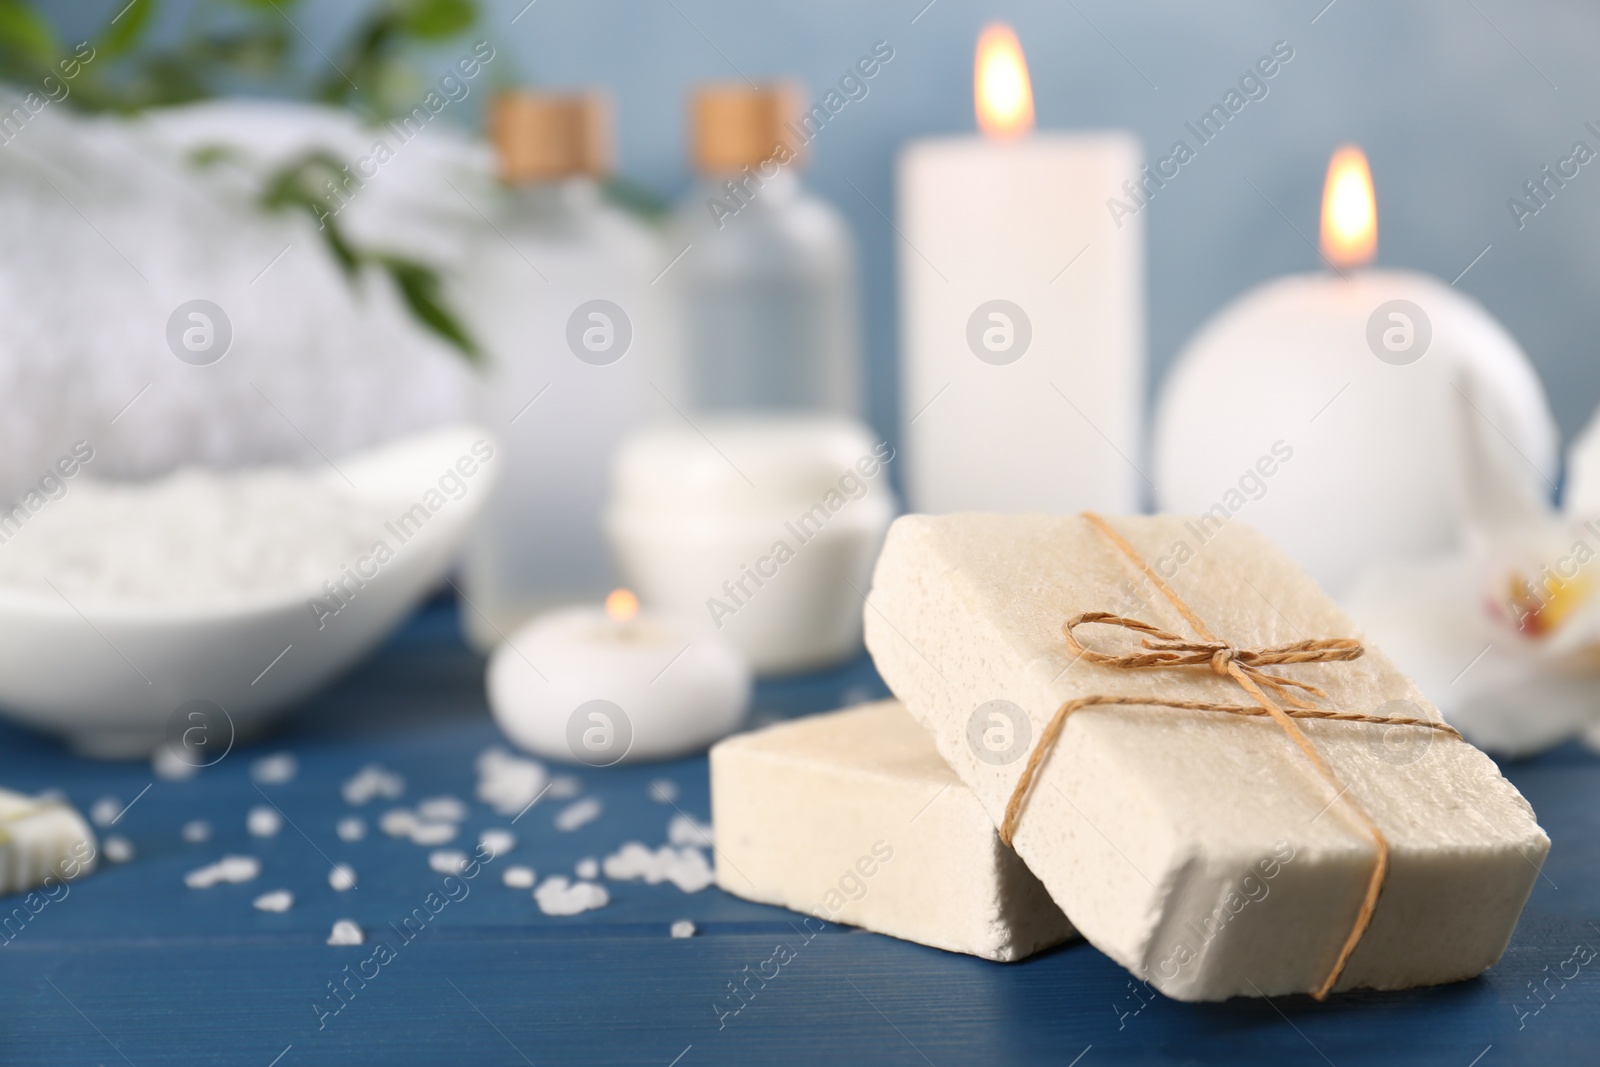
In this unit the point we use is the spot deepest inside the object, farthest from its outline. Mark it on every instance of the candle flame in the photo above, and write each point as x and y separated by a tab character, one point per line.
1001	91
621	605
1349	210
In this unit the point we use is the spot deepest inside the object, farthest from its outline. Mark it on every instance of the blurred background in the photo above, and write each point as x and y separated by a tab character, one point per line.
1457	105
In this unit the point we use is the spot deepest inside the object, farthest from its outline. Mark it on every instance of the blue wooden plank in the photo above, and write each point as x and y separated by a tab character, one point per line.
133	967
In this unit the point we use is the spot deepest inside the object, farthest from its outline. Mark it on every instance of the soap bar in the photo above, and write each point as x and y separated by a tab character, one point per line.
1203	851
852	817
41	839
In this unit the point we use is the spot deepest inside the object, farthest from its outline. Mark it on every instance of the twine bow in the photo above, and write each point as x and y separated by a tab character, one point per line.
1282	698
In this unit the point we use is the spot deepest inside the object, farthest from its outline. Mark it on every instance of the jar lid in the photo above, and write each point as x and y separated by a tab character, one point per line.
736	125
549	136
745	462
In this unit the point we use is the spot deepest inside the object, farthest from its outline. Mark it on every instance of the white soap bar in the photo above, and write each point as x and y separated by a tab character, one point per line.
1198	849
41	839
853	817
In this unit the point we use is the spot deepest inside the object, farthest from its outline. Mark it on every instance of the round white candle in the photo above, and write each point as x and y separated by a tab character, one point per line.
1327	411
585	685
1022	343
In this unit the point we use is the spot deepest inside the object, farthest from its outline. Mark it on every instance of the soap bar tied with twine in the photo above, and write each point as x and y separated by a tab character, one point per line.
1282	698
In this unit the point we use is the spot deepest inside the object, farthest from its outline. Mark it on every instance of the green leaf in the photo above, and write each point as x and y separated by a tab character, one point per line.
299	186
25	34
419	286
435	19
122	33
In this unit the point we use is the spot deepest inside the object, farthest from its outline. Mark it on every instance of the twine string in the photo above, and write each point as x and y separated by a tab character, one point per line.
1277	696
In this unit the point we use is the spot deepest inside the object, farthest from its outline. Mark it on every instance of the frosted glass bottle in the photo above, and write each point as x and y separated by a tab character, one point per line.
577	342
769	279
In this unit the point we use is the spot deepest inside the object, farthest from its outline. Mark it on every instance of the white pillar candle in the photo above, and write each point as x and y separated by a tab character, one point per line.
586	685
1022	332
1326	409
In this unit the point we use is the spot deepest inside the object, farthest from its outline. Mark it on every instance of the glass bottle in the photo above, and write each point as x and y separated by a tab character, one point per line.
579	349
767	275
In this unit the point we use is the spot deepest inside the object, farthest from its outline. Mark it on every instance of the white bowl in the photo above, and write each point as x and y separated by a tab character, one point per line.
111	678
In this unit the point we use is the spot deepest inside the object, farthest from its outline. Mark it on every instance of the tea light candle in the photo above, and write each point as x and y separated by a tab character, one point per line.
586	685
1022	326
1326	409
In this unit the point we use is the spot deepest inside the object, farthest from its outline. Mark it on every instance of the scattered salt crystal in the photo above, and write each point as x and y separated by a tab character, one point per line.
518	877
433	833
398	822
342	877
401	822
277	900
588	868
263	821
684	830
579	814
558	896
196	831
351	828
497	842
346	932
447	861
105	811
227	869
373	781
685	867
117	849
663	791
565	787
276	769
508	783
683	928
166	764
442	809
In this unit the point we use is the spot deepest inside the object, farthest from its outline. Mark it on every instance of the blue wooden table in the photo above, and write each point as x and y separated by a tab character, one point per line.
131	967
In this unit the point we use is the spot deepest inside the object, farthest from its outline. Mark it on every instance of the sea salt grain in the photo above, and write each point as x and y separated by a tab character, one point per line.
518	877
196	830
433	833
371	782
342	877
263	821
227	869
277	900
588	868
663	791
351	828
685	867
683	928
508	783
105	811
276	769
447	861
401	822
442	809
497	842
579	814
346	932
565	787
117	849
684	830
558	896
167	765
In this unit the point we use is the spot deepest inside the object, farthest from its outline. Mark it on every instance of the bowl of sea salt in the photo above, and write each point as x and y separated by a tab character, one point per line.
242	590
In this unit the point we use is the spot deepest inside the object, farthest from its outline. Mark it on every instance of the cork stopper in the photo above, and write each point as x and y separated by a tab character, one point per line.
540	137
737	125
